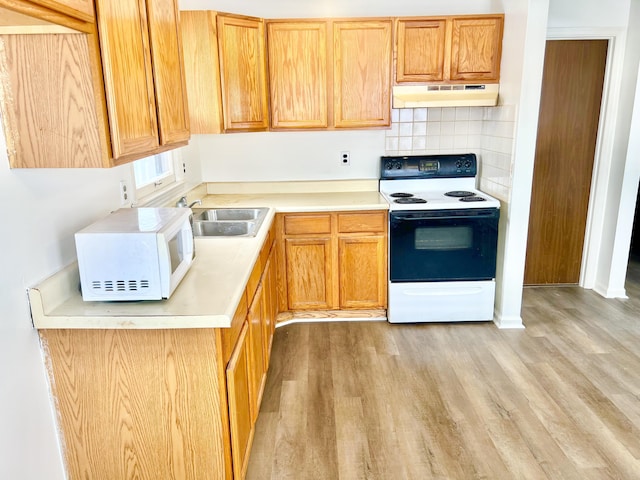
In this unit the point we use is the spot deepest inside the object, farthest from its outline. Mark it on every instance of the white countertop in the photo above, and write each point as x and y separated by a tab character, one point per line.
210	292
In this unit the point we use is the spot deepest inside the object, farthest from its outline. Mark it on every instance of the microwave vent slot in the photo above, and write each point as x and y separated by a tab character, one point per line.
119	285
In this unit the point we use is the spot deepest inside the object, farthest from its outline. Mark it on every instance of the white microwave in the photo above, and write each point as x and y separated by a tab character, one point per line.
135	254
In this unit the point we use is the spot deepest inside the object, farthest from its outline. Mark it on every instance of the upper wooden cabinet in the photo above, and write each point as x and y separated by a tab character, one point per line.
362	73
420	50
168	71
143	74
242	73
85	94
298	80
449	49
329	74
202	70
476	48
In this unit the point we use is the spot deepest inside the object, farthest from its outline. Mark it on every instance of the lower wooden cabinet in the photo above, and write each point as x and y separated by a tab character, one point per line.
363	267
238	392
332	260
308	273
247	368
256	352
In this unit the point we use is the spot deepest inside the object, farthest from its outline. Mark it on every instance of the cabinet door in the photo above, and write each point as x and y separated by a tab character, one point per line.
476	48
238	393
421	47
82	9
243	73
268	317
202	70
297	60
168	71
362	73
124	44
257	369
309	273
363	271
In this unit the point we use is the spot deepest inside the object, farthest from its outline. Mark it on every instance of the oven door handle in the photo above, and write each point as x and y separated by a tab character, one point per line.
419	216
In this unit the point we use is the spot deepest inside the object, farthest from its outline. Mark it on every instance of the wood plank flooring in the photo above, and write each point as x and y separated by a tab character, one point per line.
370	400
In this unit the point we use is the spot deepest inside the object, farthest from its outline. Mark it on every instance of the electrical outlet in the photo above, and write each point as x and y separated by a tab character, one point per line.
125	194
345	158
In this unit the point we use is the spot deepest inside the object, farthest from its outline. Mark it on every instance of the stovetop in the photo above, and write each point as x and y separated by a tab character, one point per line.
432	182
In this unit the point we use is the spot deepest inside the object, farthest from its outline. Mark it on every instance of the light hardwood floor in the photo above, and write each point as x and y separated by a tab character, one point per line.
370	400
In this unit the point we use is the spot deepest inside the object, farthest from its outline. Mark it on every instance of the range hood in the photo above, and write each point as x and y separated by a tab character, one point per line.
417	96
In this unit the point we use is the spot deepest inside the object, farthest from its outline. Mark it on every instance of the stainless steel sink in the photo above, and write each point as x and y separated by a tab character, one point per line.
224	214
228	222
223	229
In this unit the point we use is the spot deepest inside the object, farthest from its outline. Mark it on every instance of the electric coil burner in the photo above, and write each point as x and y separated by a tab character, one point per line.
442	239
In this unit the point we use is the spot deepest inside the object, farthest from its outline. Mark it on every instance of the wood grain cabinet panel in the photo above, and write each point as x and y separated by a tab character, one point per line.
460	49
362	73
49	111
202	70
144	75
243	73
168	71
342	268
420	50
476	48
297	64
307	224
363	271
257	371
240	411
309	267
139	404
128	77
362	222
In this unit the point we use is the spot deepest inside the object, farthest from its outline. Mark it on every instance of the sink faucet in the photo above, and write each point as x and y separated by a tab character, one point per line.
182	203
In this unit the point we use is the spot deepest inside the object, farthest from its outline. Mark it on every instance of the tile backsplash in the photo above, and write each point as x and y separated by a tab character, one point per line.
486	131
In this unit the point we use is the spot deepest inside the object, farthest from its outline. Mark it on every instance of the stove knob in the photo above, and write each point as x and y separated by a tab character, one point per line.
467	164
458	164
398	165
388	165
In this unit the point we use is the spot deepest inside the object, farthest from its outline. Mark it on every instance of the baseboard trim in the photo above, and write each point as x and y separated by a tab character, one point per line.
310	316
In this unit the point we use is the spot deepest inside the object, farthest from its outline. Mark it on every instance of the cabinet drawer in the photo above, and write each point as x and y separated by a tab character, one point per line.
306	224
362	222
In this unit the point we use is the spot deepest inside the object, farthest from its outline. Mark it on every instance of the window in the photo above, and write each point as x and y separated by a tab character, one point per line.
154	174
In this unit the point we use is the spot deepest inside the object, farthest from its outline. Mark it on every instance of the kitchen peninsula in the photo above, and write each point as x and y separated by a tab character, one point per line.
172	389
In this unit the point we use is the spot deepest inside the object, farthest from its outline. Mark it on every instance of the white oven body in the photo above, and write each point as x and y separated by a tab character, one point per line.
441	301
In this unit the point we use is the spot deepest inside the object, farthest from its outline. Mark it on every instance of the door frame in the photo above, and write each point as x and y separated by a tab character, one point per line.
602	162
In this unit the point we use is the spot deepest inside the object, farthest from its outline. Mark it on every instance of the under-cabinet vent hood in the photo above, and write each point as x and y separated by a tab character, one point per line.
416	96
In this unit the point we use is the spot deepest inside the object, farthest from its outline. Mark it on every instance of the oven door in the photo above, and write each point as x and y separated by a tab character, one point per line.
443	245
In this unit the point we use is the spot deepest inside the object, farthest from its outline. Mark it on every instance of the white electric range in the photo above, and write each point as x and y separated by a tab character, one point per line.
443	235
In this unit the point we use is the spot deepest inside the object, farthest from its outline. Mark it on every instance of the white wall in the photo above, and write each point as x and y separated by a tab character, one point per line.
41	209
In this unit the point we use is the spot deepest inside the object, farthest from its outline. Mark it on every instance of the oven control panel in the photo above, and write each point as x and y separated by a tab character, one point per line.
428	166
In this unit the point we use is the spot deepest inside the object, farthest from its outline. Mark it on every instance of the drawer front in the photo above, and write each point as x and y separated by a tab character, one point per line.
362	222
307	224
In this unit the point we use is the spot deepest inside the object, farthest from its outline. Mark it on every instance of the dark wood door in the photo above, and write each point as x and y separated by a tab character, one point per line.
567	129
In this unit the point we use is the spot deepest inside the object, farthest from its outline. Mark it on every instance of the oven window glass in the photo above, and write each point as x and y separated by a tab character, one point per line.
444	238
441	246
